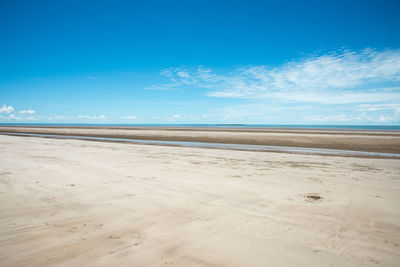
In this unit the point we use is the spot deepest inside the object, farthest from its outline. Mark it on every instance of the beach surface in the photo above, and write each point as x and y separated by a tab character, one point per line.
85	203
358	140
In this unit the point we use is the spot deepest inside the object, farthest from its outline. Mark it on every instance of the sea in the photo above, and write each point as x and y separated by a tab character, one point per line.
300	126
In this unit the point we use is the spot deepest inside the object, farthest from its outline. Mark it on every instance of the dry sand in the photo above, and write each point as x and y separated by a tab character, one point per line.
80	203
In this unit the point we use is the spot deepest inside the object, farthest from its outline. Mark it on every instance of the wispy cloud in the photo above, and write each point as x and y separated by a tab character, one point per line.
334	78
363	117
377	107
196	77
56	118
129	117
28	111
340	118
86	117
14	117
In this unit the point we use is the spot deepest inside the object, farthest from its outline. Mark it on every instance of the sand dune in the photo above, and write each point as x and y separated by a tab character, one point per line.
72	202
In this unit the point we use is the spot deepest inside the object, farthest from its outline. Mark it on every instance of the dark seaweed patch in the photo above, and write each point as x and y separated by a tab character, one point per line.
311	197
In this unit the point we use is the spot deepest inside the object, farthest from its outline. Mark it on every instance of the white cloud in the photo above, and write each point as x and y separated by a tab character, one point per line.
362	118
129	117
57	117
29	111
341	77
384	119
86	117
182	74
176	116
6	109
386	112
13	117
338	118
377	107
341	97
90	77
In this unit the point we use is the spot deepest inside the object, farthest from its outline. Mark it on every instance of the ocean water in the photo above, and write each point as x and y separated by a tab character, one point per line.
300	126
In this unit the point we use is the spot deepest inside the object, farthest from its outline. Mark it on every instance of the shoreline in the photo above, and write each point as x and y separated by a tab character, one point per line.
366	141
207	128
223	146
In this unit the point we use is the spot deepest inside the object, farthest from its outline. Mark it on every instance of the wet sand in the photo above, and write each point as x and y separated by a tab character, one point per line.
80	203
367	140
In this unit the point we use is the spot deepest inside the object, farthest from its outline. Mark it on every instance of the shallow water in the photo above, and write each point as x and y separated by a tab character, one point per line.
303	150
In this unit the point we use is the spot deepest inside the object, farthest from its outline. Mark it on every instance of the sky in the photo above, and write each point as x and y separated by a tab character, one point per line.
160	62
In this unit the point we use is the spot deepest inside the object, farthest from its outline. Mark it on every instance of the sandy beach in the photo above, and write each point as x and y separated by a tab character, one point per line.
199	133
80	203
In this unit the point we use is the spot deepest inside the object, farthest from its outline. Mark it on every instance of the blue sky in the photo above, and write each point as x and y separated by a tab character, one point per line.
257	62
